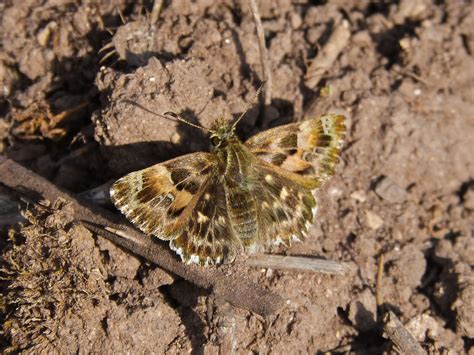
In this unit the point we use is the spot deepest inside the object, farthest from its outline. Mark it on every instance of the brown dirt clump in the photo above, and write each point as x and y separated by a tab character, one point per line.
404	187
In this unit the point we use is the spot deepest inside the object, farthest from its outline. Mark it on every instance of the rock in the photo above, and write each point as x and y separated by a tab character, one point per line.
156	278
409	266
390	191
374	221
421	325
464	307
468	199
9	79
359	196
296	20
44	35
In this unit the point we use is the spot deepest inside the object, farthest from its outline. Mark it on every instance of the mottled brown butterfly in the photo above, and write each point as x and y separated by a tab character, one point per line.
239	196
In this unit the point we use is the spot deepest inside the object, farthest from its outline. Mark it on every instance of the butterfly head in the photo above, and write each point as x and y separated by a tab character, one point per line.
222	131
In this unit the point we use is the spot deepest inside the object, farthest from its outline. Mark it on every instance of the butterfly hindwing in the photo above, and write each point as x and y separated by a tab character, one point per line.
183	201
286	208
310	148
208	237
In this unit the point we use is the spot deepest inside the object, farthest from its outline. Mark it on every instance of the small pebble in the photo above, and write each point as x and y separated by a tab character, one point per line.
359	196
468	198
176	138
421	324
295	20
374	221
390	191
44	34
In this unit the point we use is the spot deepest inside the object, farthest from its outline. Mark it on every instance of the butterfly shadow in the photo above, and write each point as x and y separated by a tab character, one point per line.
122	159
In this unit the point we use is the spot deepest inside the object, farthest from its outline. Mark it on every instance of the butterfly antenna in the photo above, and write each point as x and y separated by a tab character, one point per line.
181	119
254	99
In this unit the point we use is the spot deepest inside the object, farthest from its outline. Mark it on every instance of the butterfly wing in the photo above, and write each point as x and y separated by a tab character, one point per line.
158	199
309	149
290	162
286	207
208	237
183	201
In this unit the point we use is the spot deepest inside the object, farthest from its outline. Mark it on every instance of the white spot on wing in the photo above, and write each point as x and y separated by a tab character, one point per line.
202	218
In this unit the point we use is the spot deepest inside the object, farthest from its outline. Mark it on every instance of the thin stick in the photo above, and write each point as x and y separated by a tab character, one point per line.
328	54
106	47
156	11
378	288
264	59
122	18
107	56
400	336
232	285
298	263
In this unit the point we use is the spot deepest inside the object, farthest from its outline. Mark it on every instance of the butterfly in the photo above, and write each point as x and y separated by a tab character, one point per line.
239	196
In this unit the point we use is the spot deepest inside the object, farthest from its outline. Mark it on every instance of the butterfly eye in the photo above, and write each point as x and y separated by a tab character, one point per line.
215	141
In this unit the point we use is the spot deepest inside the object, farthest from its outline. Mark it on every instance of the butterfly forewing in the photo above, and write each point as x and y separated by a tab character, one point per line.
159	199
309	148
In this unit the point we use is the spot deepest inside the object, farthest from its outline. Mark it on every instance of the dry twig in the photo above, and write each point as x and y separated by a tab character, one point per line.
400	336
264	59
156	11
298	263
328	54
378	285
232	286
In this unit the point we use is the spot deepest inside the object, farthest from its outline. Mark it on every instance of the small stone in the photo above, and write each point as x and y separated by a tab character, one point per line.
464	307
374	221
468	199
390	191
312	35
44	34
156	278
329	245
349	96
176	138
359	196
9	79
421	325
295	20
335	192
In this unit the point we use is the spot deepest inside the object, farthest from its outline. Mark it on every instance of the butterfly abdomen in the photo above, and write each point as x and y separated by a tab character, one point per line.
242	214
240	197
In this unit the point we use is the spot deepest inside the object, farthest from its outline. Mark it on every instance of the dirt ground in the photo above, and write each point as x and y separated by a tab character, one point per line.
405	189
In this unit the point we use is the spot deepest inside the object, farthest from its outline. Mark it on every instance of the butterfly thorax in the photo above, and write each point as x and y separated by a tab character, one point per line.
222	133
231	153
